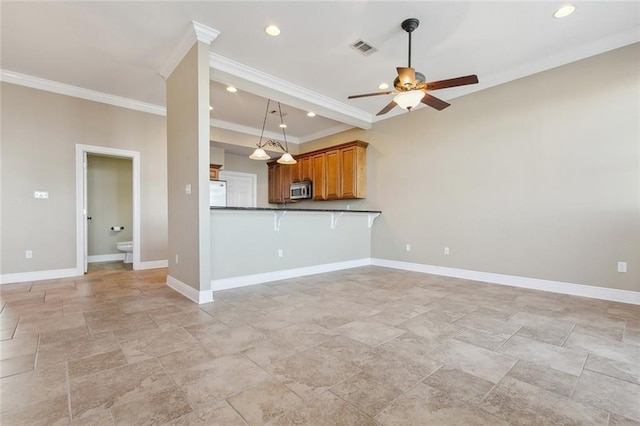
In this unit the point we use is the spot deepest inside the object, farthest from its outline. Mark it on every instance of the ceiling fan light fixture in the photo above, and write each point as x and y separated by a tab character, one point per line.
259	154
408	100
564	11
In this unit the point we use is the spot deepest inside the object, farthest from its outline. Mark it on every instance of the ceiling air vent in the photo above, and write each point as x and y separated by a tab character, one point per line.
363	47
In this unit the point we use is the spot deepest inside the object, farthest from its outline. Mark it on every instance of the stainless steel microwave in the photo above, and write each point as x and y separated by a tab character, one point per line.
301	190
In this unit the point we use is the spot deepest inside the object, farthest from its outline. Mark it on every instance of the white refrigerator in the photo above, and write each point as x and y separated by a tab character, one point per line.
217	193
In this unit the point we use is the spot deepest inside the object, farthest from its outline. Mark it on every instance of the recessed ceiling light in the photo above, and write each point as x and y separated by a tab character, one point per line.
311	114
210	108
564	11
383	86
272	30
232	89
283	126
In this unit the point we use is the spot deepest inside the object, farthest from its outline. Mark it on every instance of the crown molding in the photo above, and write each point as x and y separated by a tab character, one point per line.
196	32
322	104
227	125
326	132
79	92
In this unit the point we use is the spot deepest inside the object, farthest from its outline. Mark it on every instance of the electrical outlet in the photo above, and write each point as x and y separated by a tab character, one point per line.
28	254
408	247
187	189
622	266
446	250
41	194
177	260
280	253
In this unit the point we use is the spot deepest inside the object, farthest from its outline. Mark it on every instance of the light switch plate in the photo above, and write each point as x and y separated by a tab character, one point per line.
41	194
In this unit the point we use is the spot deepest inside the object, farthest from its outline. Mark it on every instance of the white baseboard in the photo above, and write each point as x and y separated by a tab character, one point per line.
624	296
245	280
153	264
53	274
189	292
105	257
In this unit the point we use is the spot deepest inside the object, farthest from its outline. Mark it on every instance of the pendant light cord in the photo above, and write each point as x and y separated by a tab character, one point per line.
286	146
264	123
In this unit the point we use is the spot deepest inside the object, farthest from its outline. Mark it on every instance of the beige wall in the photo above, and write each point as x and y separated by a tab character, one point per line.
110	203
537	178
188	154
39	133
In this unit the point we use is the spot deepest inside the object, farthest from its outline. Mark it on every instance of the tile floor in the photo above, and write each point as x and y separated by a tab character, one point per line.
366	346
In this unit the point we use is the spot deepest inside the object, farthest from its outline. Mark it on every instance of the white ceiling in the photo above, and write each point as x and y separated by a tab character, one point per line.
118	48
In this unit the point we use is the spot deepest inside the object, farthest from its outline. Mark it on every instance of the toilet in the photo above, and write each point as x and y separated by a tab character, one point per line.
127	248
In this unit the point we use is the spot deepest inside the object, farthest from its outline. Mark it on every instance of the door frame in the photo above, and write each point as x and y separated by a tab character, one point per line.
81	151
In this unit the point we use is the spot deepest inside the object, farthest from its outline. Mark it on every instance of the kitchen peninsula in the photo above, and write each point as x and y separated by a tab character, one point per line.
255	245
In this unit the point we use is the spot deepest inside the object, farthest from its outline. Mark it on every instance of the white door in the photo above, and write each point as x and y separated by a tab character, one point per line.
84	212
241	188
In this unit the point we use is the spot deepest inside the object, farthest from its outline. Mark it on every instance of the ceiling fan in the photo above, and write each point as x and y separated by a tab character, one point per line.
411	87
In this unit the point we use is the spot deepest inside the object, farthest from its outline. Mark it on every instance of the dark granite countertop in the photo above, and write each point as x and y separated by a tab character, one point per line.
289	209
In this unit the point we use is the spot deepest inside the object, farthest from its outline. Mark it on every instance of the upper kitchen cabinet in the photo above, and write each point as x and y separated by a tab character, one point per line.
337	173
214	171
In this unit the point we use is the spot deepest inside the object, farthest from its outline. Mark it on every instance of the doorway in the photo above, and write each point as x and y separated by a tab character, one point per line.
83	215
241	188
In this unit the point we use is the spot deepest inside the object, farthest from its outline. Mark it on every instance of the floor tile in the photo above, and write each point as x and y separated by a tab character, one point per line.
19	364
53	411
612	368
214	414
368	392
435	331
33	387
114	319
425	405
489	321
181	319
326	409
460	385
524	404
369	332
311	372
156	344
218	379
19	346
610	394
82	347
95	363
631	336
617	420
617	351
107	388
542	328
568	360
480	362
261	403
478	338
191	357
543	377
232	340
164	406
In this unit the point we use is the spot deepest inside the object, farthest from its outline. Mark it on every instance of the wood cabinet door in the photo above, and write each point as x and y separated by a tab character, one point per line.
306	168
319	176
354	179
275	184
333	175
286	175
296	171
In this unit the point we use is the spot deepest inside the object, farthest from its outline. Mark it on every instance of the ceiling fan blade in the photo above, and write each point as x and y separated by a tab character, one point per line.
407	76
434	102
452	82
369	94
388	108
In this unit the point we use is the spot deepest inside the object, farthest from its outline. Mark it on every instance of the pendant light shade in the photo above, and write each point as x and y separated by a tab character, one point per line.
409	100
259	154
287	159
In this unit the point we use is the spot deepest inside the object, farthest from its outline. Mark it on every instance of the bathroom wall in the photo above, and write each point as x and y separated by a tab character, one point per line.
110	203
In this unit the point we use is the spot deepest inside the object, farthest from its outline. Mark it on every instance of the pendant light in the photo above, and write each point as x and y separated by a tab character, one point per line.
260	154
